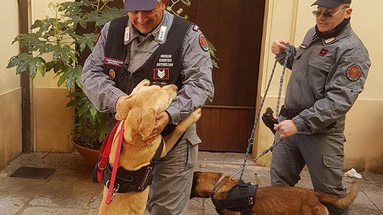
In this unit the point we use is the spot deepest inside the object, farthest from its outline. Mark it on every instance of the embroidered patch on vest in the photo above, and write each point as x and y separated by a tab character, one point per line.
113	62
165	60
323	52
353	73
112	73
203	43
161	74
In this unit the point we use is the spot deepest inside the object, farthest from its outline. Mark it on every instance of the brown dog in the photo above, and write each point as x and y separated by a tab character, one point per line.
272	200
139	111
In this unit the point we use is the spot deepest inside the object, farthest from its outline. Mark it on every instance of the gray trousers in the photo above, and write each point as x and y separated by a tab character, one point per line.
322	153
172	180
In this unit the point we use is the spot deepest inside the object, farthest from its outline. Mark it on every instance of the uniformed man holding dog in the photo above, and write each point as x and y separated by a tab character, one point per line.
329	70
151	43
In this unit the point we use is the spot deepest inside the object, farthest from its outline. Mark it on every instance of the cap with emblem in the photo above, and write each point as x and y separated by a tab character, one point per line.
139	5
331	3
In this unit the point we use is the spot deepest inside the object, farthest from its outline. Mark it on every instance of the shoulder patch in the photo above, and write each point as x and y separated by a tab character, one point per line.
353	73
195	28
203	43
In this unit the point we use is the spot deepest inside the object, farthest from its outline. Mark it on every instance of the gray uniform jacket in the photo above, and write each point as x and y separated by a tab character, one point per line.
196	76
327	77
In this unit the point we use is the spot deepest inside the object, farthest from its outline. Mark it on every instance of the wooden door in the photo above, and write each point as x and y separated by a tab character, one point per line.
235	29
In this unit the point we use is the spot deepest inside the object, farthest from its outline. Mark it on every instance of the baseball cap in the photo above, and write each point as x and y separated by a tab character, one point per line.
139	5
331	3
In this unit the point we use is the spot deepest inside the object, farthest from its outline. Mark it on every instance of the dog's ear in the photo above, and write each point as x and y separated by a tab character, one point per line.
124	108
148	121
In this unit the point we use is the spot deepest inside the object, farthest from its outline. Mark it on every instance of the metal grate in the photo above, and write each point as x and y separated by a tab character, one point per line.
32	172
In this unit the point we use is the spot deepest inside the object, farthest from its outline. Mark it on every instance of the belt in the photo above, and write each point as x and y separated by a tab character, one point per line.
289	113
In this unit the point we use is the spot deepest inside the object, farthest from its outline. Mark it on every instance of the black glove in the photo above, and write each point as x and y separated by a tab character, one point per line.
269	119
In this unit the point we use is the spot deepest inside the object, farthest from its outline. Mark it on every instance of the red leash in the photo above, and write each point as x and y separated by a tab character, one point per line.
104	158
112	191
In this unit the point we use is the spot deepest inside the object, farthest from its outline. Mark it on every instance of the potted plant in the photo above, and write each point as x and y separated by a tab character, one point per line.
68	36
65	36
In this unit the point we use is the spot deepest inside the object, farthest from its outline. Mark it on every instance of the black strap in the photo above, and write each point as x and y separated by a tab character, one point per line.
241	198
133	181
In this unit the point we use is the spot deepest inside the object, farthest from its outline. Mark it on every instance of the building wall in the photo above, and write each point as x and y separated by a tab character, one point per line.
10	91
290	20
52	121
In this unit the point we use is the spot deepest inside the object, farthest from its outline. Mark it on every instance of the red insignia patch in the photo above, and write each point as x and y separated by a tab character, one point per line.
112	73
203	43
323	52
161	74
353	73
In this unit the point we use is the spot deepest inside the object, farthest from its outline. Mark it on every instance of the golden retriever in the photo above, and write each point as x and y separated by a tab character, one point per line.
139	111
272	200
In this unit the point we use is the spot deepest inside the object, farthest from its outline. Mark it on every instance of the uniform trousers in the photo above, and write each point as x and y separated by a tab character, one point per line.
172	180
322	153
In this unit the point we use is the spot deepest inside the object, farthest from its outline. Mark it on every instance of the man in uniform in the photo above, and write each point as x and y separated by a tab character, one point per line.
151	43
329	70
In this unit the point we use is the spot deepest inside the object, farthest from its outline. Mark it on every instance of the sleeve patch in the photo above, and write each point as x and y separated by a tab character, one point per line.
353	73
203	43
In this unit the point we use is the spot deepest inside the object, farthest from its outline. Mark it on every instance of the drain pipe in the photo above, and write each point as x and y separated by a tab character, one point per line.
25	82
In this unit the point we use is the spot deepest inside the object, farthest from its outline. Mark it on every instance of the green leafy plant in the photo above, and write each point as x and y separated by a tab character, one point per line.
55	45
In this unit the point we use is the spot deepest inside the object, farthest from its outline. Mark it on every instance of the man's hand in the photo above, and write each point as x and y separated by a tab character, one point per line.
286	128
278	46
162	120
120	100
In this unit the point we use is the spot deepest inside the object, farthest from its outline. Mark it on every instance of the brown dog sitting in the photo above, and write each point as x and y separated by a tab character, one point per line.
139	111
271	200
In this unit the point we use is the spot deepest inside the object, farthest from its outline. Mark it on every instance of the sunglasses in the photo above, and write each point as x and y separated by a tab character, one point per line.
326	14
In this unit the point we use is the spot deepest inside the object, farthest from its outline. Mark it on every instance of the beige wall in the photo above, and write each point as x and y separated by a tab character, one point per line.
290	20
52	121
10	93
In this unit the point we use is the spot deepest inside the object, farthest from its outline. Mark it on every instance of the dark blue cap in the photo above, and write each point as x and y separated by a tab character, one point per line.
331	3
139	5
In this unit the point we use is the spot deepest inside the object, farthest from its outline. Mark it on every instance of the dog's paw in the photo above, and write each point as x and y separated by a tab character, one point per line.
144	83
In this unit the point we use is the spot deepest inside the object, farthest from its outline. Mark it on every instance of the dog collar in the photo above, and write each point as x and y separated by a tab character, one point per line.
216	185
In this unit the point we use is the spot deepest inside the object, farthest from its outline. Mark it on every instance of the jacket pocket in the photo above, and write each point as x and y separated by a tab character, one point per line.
335	161
322	59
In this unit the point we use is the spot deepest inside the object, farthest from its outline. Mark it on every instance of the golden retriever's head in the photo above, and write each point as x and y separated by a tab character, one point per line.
141	108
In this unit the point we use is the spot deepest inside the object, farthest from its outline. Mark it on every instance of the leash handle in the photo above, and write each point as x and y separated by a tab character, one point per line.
112	191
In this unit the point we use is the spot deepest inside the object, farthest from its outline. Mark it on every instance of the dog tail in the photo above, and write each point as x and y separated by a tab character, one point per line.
340	202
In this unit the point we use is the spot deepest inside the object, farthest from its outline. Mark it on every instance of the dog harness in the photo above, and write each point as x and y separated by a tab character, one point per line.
118	179
241	198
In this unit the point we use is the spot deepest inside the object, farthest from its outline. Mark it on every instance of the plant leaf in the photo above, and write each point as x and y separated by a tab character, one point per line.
86	40
26	61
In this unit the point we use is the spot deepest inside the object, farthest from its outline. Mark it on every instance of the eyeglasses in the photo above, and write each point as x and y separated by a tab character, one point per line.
327	14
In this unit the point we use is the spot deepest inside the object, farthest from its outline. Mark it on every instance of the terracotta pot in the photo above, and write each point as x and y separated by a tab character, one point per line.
89	155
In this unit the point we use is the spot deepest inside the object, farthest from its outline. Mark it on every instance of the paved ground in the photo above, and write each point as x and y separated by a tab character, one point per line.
70	191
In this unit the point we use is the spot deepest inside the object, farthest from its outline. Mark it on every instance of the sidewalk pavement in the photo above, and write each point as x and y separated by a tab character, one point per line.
69	190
